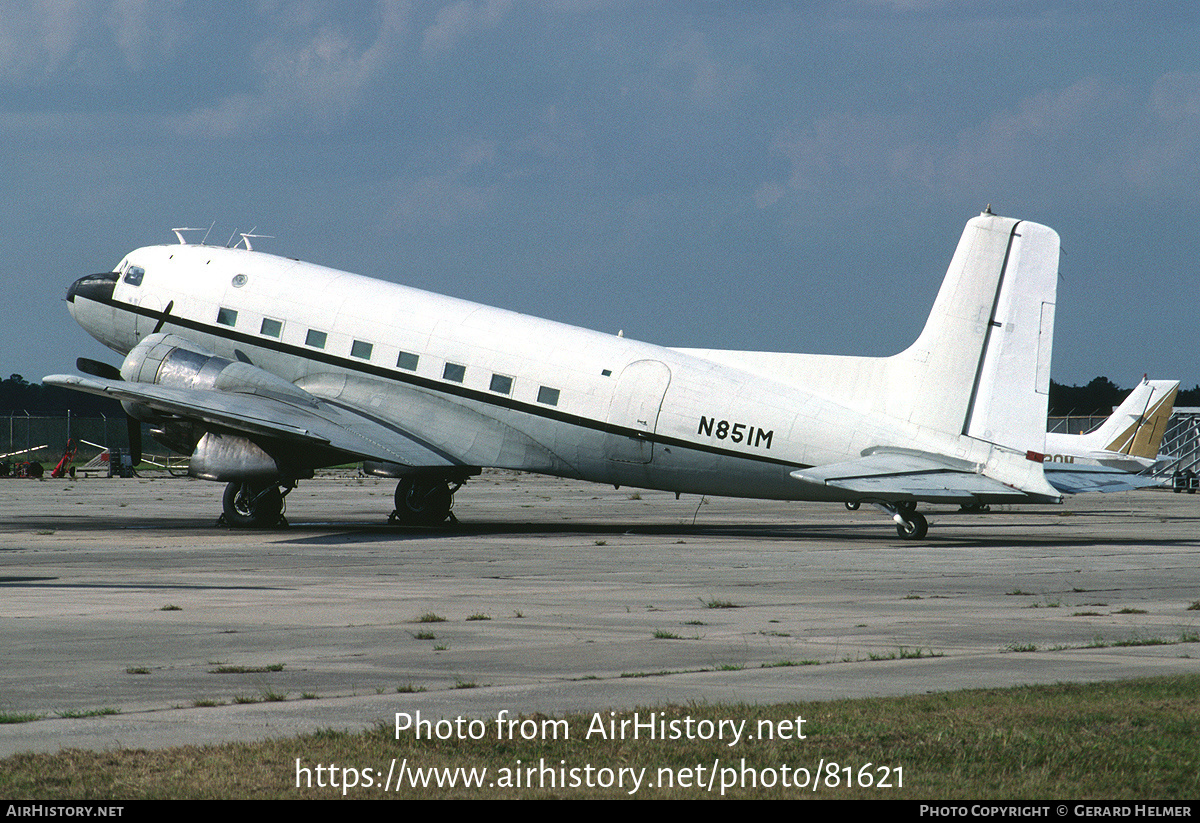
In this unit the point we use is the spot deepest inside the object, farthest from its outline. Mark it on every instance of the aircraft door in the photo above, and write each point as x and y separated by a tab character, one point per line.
634	410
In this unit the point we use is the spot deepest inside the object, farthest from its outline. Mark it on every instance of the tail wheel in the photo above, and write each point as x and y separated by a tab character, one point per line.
252	505
422	502
914	526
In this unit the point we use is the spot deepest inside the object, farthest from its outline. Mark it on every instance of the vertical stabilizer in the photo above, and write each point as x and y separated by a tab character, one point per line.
981	366
1142	435
1135	428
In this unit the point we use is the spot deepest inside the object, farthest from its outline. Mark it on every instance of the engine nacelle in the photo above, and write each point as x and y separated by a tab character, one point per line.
172	361
231	457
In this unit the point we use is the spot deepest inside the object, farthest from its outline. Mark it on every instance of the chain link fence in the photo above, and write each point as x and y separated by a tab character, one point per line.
44	439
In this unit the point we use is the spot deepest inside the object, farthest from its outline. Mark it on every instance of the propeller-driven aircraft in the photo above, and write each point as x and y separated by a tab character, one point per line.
264	368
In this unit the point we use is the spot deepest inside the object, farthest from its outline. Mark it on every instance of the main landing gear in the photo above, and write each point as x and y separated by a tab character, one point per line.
250	505
910	523
424	501
911	526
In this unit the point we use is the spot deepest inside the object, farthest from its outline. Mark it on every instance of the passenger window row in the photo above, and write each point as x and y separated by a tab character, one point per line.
362	350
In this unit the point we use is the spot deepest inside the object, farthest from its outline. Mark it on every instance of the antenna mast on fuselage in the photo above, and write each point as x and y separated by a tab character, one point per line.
181	229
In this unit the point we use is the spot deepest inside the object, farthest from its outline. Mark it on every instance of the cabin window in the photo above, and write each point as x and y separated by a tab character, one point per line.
407	360
226	317
134	276
606	372
455	372
315	338
501	384
548	396
361	350
271	328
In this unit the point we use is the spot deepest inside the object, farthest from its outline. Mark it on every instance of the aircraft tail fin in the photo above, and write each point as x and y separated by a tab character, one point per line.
1137	426
981	365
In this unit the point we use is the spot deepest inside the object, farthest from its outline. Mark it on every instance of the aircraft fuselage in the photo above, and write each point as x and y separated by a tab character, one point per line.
579	403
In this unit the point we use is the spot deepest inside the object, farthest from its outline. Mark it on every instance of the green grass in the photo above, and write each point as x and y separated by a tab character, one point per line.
1132	740
783	664
88	712
18	717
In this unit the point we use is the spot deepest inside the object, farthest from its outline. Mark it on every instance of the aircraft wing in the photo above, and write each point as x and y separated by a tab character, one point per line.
1095	479
303	418
919	476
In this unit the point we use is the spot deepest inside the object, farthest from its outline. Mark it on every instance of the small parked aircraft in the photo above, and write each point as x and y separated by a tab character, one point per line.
1110	457
264	368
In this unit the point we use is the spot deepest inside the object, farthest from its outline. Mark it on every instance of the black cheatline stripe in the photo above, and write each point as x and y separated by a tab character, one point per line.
444	388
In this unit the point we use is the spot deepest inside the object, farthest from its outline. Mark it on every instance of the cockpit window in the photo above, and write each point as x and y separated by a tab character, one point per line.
134	274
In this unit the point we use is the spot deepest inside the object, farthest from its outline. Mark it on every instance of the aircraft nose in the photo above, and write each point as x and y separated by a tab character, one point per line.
97	287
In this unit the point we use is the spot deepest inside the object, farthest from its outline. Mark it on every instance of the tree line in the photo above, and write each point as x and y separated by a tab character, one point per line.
18	396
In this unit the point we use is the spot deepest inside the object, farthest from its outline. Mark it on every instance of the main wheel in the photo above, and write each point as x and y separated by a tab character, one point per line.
852	505
251	505
914	526
422	502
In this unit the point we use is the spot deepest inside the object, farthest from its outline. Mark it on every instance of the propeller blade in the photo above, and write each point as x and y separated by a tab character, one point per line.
135	439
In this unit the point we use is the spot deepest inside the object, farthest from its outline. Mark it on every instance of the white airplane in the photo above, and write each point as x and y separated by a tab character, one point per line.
1110	457
265	368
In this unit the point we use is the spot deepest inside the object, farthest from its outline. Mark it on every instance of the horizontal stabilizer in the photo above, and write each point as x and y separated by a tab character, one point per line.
1095	479
911	476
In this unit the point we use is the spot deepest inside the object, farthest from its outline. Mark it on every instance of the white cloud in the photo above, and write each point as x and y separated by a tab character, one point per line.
146	30
707	82
311	70
1167	151
459	20
40	38
442	200
44	39
1093	137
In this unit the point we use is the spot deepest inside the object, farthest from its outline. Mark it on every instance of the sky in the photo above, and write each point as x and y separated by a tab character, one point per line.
785	176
